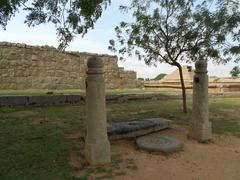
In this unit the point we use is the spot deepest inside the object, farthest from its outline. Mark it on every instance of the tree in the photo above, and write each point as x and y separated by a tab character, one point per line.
235	72
70	17
172	31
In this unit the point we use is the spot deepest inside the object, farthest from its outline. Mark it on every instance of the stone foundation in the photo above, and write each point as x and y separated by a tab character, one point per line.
43	67
216	84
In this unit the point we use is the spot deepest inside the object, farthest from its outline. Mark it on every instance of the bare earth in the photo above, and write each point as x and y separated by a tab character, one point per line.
219	160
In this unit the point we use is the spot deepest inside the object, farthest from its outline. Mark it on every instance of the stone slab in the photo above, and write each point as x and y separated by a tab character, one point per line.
136	128
13	100
46	100
74	99
159	143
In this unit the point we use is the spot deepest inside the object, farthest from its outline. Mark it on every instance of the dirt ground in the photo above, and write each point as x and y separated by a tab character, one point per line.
219	160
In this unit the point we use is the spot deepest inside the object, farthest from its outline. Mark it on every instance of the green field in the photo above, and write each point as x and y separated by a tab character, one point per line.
34	141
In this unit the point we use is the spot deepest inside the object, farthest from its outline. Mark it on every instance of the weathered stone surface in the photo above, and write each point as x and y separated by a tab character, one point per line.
136	128
46	100
43	67
200	127
75	99
13	100
216	84
144	96
159	143
97	146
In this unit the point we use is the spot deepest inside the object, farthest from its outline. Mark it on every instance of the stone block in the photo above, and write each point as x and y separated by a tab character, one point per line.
136	128
47	100
13	100
74	99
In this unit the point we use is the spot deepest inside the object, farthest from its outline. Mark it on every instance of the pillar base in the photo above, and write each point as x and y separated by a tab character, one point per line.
98	153
201	132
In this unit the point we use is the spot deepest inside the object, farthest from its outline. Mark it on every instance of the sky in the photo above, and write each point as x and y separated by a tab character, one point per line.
96	41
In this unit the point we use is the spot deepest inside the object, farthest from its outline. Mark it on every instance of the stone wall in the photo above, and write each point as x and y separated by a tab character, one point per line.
43	67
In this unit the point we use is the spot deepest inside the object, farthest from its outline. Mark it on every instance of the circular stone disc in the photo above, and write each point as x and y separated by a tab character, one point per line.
159	143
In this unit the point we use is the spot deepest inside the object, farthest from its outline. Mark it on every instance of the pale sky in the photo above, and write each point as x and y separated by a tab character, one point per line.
96	41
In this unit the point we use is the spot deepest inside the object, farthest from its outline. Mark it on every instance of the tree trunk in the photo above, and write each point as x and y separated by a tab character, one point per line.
183	88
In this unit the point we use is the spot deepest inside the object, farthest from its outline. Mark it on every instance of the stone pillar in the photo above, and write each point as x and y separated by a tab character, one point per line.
200	127
97	146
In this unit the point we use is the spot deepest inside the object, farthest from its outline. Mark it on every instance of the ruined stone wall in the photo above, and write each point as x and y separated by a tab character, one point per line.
215	84
127	78
43	67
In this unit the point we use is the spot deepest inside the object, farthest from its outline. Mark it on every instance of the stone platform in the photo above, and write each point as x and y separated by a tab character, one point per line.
133	129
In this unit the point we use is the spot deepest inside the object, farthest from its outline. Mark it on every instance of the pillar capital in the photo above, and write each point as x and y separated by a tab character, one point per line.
201	66
95	65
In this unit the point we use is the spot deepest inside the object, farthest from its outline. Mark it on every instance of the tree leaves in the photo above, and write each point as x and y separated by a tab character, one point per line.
7	9
235	72
70	17
185	30
235	50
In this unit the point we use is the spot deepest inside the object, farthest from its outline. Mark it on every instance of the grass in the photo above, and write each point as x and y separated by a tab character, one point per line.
224	114
35	92
34	143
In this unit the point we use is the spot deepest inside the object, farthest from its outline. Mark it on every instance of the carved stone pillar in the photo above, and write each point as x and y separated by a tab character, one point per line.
97	146
200	127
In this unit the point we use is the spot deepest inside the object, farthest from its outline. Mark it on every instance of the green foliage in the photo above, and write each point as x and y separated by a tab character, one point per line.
235	72
180	30
186	30
8	9
70	17
141	79
159	77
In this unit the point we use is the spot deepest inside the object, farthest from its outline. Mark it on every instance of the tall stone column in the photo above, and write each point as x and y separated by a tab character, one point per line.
97	146
200	127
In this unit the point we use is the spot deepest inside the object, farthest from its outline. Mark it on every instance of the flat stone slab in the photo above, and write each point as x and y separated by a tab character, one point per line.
136	128
159	143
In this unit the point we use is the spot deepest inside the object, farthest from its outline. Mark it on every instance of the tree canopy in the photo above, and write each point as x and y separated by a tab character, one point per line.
189	30
171	31
70	17
235	72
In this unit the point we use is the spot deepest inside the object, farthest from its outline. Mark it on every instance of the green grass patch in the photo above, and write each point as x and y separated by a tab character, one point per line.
35	145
